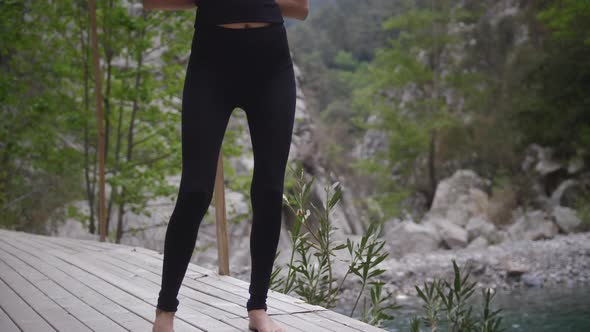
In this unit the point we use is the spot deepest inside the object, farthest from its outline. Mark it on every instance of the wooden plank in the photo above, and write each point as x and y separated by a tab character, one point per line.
190	286
214	306
137	263
197	284
299	324
52	313
215	283
58	292
141	312
207	316
213	287
194	271
318	320
6	323
20	312
278	303
95	298
240	323
140	303
301	304
100	257
206	313
348	321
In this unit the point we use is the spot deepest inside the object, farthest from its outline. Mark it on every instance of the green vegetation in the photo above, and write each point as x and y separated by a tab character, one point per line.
445	304
48	149
450	84
315	255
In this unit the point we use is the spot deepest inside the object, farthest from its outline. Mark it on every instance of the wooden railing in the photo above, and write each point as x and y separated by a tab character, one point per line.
220	220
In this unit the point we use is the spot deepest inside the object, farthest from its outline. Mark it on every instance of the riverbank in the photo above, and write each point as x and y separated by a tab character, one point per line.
561	261
564	259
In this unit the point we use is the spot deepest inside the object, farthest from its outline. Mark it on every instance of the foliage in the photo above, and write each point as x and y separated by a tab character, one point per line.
554	111
314	254
309	272
446	303
39	156
48	154
406	90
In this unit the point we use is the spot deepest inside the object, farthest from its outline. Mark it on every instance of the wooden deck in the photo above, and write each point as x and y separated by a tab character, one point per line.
63	284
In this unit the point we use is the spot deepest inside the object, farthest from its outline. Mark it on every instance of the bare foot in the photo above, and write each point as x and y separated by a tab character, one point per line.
261	322
164	321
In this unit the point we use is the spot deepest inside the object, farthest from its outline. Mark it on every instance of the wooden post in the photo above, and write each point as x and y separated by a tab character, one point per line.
99	118
221	222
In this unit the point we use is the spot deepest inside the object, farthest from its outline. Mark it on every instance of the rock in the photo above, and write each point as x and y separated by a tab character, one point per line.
575	165
532	279
541	160
460	197
566	193
452	235
514	270
479	242
533	225
408	236
501	204
478	226
474	267
498	236
566	219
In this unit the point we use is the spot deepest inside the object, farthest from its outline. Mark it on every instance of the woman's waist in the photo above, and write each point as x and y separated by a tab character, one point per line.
213	13
266	44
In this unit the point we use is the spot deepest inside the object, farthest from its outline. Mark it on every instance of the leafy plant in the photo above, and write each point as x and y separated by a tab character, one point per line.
313	256
446	303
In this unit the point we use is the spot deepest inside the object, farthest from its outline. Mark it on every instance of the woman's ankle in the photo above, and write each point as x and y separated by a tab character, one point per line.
160	311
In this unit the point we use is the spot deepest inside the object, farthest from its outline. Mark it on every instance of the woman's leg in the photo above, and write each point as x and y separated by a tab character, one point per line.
206	110
270	112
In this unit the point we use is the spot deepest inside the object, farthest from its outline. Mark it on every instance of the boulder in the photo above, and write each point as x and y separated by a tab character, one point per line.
479	242
567	193
532	279
515	269
453	235
498	236
460	197
408	236
479	226
566	218
533	225
541	159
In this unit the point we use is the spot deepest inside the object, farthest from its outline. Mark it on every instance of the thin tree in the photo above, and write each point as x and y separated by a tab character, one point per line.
99	116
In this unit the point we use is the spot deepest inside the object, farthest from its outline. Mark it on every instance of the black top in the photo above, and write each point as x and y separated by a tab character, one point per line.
233	11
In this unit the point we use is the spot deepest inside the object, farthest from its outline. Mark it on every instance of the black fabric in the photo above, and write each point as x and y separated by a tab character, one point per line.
250	69
232	11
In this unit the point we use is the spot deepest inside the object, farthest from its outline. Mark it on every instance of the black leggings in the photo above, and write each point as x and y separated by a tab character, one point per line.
251	69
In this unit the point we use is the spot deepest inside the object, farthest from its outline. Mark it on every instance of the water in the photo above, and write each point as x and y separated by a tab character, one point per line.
548	309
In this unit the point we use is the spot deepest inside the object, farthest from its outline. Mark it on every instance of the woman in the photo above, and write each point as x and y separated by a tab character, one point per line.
239	58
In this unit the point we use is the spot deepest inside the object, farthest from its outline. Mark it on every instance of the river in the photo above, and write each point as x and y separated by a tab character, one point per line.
536	309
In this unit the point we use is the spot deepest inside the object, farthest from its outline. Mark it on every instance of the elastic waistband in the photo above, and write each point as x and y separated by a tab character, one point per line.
233	31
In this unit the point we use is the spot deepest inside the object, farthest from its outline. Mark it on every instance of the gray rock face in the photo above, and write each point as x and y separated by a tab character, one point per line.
479	226
566	219
533	225
459	211
564	258
479	242
453	235
407	236
460	197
